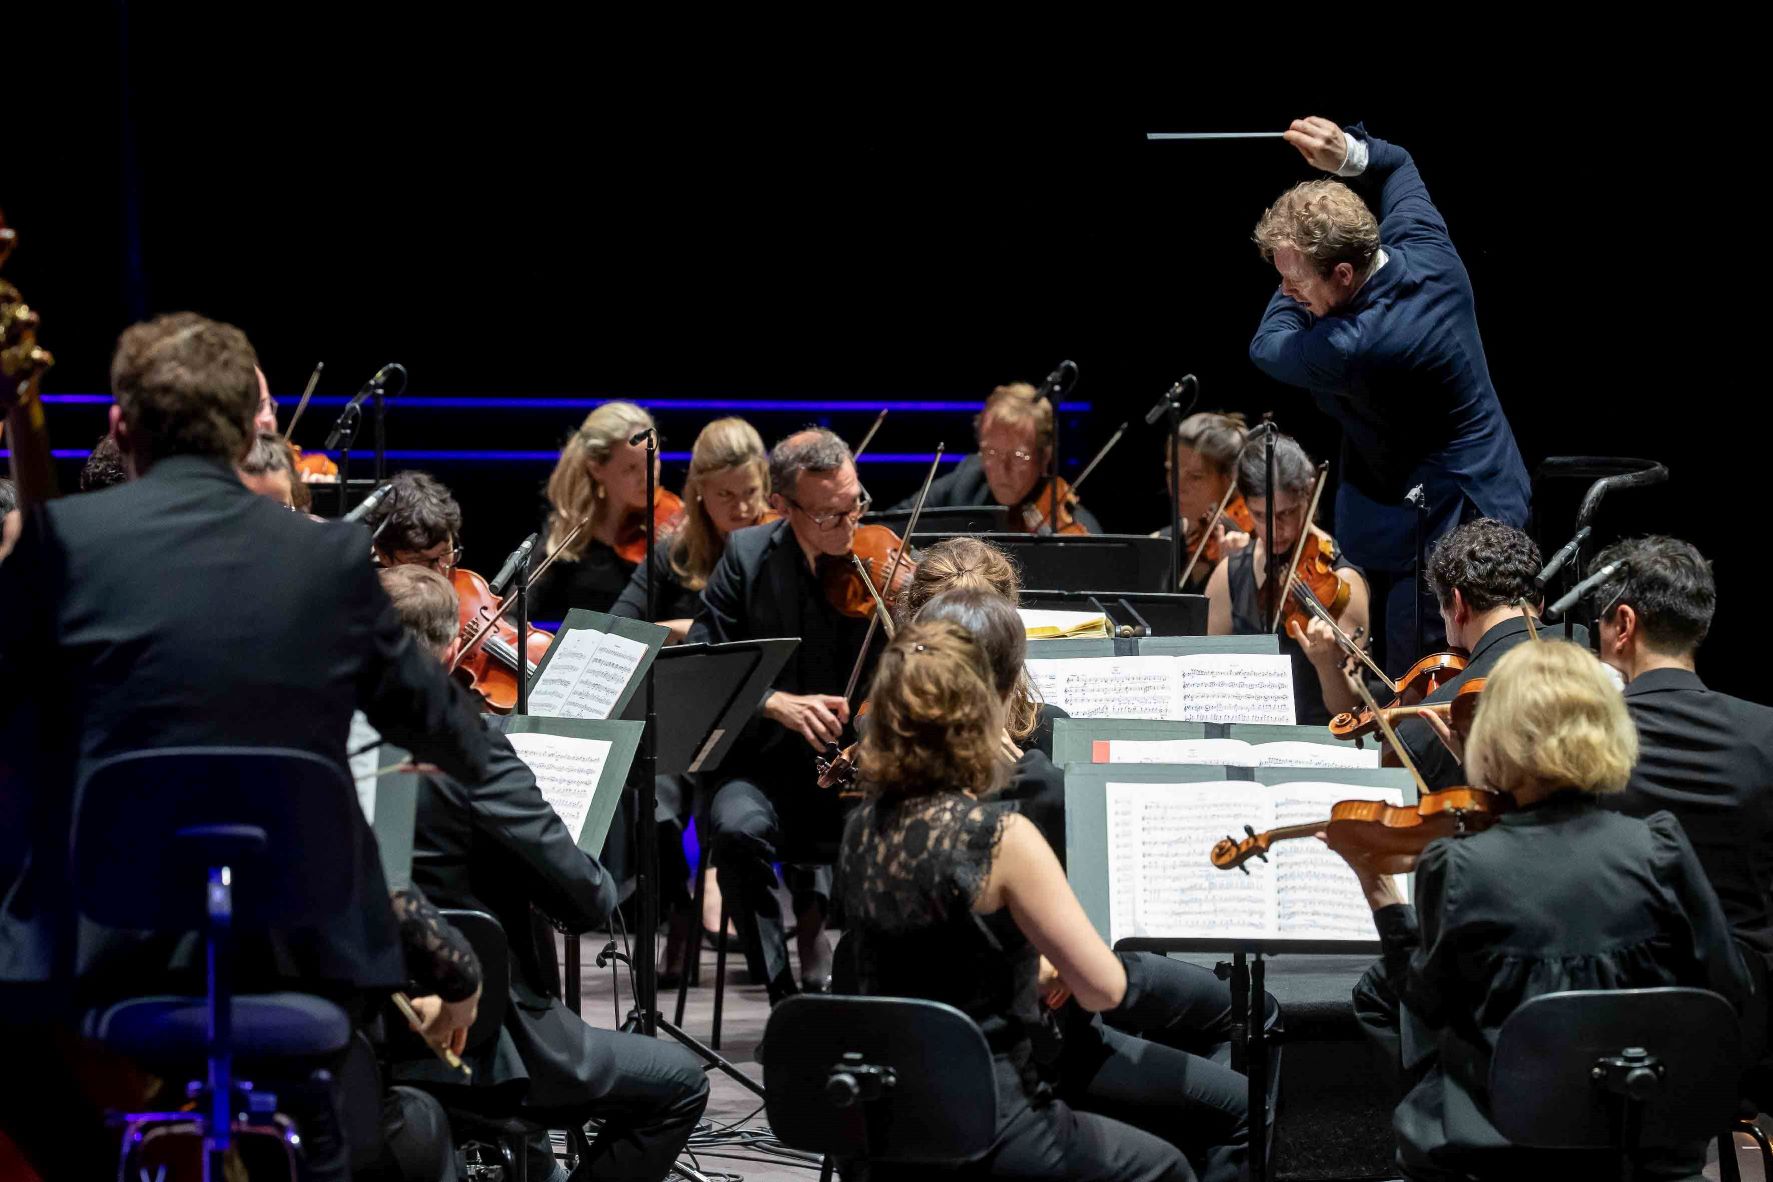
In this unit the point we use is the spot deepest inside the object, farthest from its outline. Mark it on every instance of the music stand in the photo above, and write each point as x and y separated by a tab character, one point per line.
1086	562
945	519
1132	613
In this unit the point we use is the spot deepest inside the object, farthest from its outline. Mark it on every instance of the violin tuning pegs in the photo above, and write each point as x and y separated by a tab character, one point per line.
1264	857
1250	830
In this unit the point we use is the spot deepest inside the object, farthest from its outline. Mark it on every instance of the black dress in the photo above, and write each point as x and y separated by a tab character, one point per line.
1561	895
911	874
673	600
594	580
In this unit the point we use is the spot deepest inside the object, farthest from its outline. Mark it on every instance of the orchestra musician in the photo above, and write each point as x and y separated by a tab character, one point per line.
1704	756
600	479
1558	894
181	610
1174	1081
104	467
1208	444
11	521
1016	433
955	897
417	523
495	845
1375	317
767	806
269	470
1234	605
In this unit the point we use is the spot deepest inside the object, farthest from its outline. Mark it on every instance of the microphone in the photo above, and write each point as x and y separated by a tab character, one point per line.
376	385
369	503
1556	611
1058	383
1172	397
639	437
518	560
1562	556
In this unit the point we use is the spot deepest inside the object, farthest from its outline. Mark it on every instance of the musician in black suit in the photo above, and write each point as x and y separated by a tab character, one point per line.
495	845
1482	576
1706	757
767	805
181	609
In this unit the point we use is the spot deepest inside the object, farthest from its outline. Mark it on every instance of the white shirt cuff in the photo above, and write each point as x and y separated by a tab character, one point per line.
1354	156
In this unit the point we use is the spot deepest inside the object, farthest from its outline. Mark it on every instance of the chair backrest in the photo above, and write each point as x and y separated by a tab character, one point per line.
1543	1088
487	937
138	865
940	1107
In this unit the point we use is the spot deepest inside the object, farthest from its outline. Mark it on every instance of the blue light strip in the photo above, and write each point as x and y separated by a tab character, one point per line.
532	457
758	405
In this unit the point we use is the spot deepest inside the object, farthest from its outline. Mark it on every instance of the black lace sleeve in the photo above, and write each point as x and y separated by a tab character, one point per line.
910	863
438	957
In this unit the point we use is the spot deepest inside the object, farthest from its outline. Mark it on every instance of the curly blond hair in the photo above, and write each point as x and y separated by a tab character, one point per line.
1323	220
934	718
572	491
723	445
1551	717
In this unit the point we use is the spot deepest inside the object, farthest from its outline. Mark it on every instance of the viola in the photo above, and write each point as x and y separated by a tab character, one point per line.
667	516
876	549
1392	836
490	668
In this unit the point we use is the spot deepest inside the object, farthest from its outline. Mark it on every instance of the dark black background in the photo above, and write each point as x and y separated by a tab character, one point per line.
527	207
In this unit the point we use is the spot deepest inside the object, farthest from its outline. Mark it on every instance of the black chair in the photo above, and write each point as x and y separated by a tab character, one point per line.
219	840
1627	1070
867	1079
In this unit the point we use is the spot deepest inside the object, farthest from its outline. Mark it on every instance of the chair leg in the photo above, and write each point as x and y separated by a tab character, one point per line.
514	1148
692	957
1728	1170
826	1167
719	974
1754	1130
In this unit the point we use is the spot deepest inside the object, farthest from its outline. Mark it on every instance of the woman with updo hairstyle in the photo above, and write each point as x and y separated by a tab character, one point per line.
954	897
727	489
972	563
1560	894
600	479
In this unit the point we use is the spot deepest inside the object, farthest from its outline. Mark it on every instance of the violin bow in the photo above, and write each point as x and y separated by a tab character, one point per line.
1403	753
880	613
869	437
313	381
1348	644
1200	547
1100	455
484	628
1317	491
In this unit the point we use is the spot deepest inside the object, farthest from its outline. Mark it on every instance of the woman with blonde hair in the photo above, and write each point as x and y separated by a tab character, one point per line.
600	479
728	488
954	897
1559	894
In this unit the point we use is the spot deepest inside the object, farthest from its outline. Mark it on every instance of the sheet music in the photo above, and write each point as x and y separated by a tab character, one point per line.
567	771
1303	753
1238	753
1162	883
1160	880
1107	687
1235	687
586	675
1040	623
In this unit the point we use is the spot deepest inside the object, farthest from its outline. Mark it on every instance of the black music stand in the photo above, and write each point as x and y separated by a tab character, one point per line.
1085	562
711	692
1131	613
945	519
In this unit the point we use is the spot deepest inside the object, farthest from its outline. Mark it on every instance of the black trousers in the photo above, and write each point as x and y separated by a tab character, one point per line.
751	828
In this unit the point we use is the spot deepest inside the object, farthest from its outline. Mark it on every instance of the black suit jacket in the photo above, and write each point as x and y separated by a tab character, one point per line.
966	485
495	845
1438	767
183	610
1708	759
754	593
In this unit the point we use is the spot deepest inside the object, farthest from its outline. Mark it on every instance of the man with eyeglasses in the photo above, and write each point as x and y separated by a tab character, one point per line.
767	806
1015	431
417	524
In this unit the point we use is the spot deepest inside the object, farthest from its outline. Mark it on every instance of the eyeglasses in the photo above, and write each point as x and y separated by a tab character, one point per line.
992	455
827	520
441	563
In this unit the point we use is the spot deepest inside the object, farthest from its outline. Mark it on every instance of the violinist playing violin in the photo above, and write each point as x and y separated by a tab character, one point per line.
1236	605
599	480
767	805
417	523
1015	432
1208	444
1557	894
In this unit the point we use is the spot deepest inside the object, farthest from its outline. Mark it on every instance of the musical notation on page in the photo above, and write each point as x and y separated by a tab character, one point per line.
567	771
586	675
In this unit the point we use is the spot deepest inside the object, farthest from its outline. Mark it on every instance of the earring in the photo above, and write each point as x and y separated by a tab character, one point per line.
597	491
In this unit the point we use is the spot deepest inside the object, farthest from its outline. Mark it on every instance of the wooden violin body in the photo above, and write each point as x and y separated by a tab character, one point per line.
667	516
1457	712
1315	571
1392	837
1035	513
1236	516
876	547
490	669
1424	677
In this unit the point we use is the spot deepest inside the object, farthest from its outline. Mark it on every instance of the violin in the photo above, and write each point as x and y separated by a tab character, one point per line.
1457	712
667	516
1314	575
314	467
1236	516
490	669
876	570
1393	836
1035	515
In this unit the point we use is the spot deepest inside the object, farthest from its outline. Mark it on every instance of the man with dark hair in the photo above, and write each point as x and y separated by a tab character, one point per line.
1704	756
180	610
1482	577
417	523
1375	316
767	805
104	467
495	845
